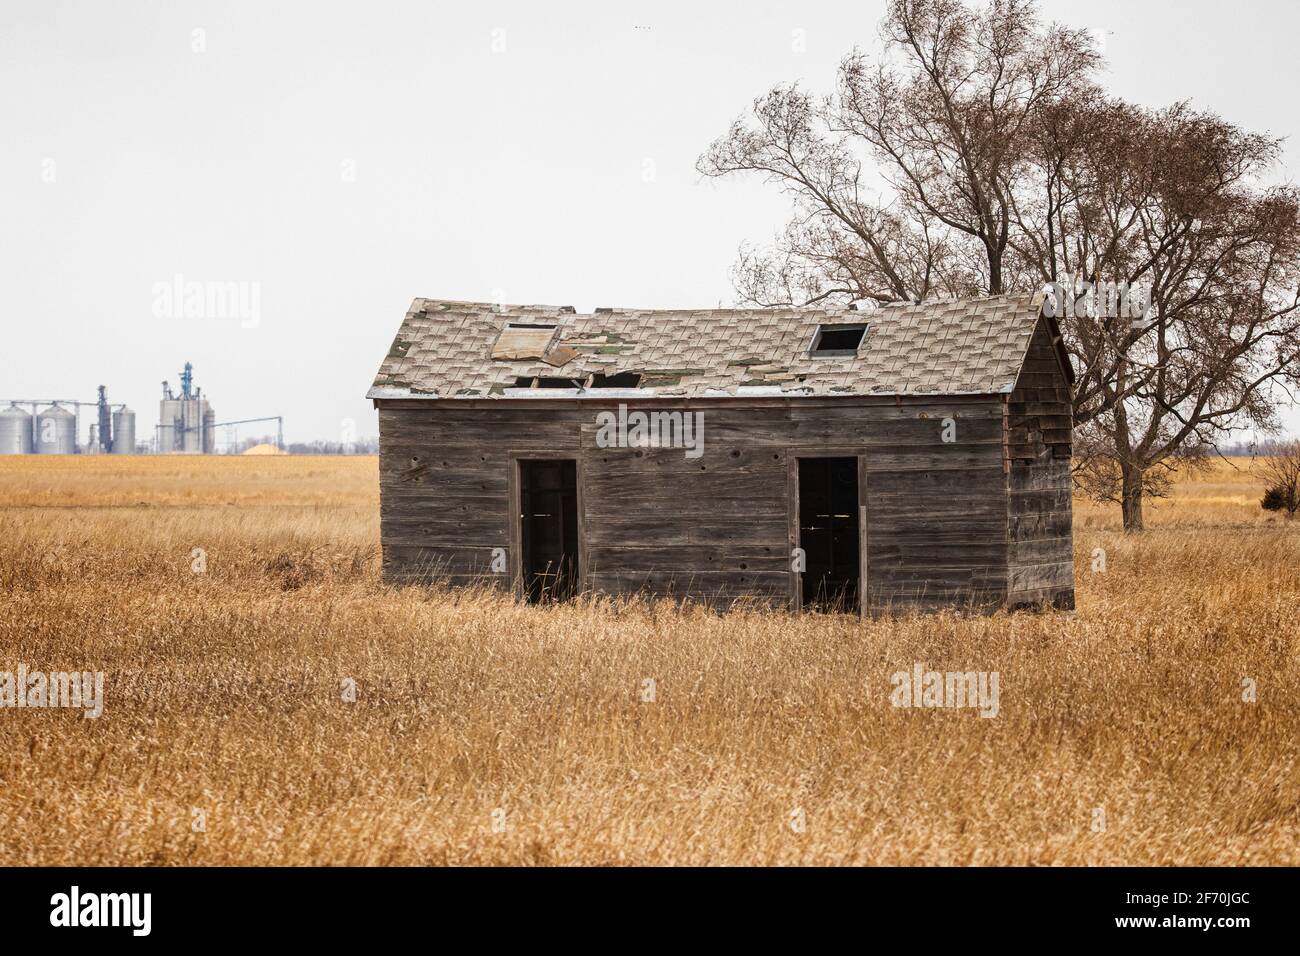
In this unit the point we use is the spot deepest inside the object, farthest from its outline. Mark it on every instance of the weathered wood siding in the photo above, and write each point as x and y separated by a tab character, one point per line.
1039	533
714	528
936	510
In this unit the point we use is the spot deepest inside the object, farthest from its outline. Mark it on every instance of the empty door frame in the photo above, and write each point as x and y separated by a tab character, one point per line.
792	456
514	535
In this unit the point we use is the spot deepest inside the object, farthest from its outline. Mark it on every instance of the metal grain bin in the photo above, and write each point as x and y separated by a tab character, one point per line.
56	432
15	431
169	412
124	431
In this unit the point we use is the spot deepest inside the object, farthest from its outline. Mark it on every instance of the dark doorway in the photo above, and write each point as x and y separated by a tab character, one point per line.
548	528
828	533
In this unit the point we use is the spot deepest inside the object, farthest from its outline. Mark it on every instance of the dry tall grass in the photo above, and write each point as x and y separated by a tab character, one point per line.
223	695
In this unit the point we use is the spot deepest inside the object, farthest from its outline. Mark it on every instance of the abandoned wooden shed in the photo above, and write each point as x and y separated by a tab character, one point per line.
915	456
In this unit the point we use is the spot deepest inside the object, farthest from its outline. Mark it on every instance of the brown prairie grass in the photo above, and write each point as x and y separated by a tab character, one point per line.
223	697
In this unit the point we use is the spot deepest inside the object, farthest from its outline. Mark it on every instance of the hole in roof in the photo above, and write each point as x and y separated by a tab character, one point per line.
837	339
617	380
546	381
530	325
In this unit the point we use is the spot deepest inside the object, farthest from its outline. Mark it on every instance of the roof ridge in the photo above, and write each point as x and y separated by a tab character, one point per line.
503	308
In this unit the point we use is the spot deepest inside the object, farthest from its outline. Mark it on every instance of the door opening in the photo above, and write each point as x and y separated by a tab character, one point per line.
828	533
548	528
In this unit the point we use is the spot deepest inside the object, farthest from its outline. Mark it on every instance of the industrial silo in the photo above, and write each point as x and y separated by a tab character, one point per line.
191	439
56	432
209	429
15	431
169	413
186	423
124	431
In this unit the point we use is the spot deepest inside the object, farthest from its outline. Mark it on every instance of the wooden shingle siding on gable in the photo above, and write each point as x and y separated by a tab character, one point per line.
1039	407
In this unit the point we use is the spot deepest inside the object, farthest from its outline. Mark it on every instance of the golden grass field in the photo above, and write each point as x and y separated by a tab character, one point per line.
223	695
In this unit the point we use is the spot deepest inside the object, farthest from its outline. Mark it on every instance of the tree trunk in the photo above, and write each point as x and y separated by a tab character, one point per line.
1131	496
995	270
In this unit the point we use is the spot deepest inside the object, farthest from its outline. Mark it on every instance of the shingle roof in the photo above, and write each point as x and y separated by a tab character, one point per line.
972	346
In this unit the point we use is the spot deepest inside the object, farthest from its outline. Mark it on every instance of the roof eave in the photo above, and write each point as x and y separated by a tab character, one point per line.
378	393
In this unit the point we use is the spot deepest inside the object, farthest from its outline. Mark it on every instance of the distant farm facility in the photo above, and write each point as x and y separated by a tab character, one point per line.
912	457
186	425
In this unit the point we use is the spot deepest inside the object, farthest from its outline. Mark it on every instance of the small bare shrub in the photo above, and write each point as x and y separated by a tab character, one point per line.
1280	469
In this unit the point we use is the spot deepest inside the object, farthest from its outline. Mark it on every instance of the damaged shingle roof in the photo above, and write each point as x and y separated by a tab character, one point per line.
972	346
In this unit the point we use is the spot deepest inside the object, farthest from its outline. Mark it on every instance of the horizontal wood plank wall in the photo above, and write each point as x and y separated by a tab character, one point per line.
1039	508
936	512
713	528
444	488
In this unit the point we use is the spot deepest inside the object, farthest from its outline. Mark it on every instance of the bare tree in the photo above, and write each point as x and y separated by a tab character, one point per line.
977	155
1280	469
1220	343
903	182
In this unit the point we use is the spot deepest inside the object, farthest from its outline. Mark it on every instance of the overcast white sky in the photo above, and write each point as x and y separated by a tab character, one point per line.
350	156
